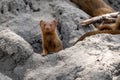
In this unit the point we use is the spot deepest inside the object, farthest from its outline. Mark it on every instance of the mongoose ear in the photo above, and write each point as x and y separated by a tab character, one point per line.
41	23
55	22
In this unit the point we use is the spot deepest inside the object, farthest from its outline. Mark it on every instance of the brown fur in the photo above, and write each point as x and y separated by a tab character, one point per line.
50	39
97	8
94	7
111	29
115	26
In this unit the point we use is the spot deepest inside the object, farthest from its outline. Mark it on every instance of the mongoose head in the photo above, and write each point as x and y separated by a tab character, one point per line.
48	27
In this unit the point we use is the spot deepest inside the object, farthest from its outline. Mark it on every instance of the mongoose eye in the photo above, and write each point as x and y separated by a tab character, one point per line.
44	25
51	25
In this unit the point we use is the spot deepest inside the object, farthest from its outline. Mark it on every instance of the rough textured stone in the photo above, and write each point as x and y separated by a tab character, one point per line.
95	58
114	3
3	77
14	51
28	27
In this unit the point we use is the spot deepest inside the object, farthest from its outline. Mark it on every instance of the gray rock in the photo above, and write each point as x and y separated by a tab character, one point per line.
95	58
4	77
10	8
118	78
13	6
14	51
27	27
114	3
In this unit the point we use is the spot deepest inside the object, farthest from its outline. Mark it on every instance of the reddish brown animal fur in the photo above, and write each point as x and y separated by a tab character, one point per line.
111	29
94	7
115	26
97	8
50	39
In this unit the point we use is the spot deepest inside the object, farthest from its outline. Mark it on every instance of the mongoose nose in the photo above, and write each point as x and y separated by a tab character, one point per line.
47	28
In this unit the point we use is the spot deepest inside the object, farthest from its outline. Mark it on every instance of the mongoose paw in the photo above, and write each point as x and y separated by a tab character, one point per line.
43	54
